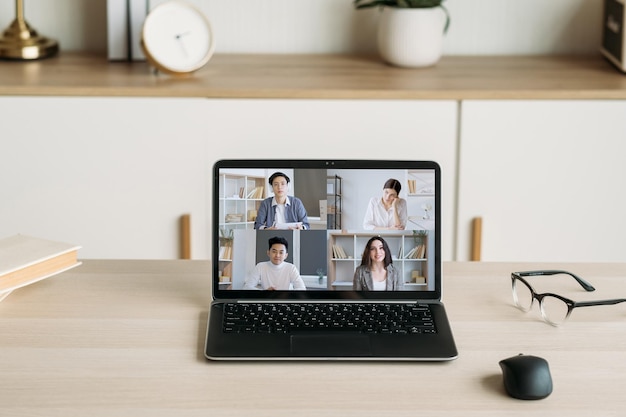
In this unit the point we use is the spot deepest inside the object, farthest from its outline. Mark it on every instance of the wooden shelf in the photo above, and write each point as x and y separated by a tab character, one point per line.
322	77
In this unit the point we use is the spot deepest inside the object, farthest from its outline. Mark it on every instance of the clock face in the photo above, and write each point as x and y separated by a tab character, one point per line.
177	38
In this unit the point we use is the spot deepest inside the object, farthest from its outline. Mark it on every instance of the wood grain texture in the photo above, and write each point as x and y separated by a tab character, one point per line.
119	338
323	77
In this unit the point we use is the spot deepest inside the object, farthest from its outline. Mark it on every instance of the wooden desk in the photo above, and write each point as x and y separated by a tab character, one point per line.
125	338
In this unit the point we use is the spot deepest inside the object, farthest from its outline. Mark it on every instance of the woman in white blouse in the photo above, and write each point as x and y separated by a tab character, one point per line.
387	212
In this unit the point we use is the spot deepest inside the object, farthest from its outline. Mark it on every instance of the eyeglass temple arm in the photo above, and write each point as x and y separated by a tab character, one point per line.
599	302
587	286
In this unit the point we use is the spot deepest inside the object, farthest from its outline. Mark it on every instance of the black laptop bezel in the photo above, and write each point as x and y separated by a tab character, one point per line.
255	295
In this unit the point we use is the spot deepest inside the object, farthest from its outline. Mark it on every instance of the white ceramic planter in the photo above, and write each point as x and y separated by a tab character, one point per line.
411	37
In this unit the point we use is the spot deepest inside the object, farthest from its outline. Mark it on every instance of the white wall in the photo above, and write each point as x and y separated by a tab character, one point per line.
479	27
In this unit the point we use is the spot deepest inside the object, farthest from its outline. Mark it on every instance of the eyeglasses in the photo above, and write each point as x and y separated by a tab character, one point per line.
555	309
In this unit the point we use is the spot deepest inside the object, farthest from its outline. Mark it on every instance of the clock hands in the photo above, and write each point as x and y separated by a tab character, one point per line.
179	38
180	35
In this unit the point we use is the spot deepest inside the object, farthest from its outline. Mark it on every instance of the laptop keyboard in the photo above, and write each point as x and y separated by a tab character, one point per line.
357	317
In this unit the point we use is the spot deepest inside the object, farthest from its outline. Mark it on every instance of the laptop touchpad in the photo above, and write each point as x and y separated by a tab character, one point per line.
330	345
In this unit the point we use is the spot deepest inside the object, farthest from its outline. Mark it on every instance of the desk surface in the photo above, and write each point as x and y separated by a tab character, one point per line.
125	338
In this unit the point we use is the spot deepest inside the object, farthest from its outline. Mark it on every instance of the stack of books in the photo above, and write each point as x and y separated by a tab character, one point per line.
418	252
124	23
256	193
339	253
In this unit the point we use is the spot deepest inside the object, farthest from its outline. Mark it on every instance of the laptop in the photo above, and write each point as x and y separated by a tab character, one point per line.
327	260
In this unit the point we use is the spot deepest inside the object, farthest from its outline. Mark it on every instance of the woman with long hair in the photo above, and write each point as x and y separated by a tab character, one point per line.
376	272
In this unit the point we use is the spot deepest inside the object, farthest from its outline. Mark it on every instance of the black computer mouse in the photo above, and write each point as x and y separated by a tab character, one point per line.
526	377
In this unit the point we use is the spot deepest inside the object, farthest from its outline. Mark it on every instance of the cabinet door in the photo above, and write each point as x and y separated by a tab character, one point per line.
111	174
547	179
341	129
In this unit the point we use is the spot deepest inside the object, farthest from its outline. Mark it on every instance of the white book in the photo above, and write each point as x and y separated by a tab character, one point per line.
138	12
117	30
124	24
25	260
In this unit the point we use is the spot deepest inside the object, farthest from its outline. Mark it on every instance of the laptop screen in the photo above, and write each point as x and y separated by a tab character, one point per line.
316	229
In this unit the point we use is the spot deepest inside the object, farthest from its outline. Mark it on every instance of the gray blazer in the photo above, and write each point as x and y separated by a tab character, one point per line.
363	279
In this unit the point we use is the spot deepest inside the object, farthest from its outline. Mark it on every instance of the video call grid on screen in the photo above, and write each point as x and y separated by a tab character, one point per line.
327	251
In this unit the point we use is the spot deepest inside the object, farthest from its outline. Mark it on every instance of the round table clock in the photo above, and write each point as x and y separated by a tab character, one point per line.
177	38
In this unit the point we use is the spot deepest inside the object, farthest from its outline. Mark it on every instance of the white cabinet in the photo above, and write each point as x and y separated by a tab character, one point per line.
547	178
115	174
341	129
111	174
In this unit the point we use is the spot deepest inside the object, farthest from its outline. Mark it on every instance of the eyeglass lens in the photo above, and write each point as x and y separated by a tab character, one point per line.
522	295
553	310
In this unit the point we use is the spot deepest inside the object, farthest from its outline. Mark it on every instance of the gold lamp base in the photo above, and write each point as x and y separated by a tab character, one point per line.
19	41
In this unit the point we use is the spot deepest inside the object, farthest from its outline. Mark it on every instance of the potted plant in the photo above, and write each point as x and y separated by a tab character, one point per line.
410	32
320	275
